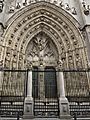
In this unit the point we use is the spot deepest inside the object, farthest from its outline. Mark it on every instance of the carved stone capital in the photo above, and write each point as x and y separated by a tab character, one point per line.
29	65
59	64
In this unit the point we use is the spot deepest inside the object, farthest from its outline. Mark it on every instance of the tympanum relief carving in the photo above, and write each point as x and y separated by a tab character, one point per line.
41	51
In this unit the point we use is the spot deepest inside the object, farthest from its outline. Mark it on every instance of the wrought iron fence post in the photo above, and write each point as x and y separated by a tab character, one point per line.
75	118
17	115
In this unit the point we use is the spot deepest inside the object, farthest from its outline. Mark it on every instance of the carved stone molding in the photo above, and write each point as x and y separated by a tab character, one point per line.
59	27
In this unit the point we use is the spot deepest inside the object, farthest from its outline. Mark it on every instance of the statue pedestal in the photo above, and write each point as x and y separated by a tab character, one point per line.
28	109
64	109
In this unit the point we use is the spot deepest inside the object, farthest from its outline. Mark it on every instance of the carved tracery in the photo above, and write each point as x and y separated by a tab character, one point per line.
42	51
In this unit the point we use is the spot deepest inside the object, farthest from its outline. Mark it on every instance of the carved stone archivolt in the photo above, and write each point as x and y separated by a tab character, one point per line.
43	34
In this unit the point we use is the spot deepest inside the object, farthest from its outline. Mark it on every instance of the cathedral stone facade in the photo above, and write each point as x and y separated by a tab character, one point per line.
45	35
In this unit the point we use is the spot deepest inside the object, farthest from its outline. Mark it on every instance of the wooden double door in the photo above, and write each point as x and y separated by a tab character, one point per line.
44	83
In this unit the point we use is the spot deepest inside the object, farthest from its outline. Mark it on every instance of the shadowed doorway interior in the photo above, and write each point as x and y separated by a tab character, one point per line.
49	83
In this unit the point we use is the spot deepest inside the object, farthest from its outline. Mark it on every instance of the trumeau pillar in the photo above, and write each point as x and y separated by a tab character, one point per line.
63	101
28	104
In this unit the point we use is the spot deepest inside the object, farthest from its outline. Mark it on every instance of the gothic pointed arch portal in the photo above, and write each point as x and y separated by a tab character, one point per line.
40	53
65	41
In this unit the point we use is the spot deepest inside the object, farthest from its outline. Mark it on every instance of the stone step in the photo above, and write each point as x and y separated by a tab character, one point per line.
46	108
30	119
47	119
43	119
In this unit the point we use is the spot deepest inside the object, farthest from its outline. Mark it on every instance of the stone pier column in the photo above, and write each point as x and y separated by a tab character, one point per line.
28	104
29	85
63	102
61	80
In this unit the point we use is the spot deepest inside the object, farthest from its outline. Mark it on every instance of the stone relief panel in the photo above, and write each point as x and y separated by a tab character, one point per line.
13	84
76	84
75	81
41	51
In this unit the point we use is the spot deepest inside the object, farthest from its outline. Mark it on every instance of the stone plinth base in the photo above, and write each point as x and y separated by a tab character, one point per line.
27	117
66	118
28	109
64	109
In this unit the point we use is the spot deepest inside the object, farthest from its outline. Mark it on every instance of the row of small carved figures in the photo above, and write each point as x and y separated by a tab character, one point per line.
18	5
86	8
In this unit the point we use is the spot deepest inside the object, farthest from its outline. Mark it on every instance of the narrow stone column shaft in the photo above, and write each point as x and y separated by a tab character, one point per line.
28	103
29	84
61	82
63	101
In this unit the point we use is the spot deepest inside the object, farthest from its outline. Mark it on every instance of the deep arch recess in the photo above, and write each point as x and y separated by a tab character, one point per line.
43	16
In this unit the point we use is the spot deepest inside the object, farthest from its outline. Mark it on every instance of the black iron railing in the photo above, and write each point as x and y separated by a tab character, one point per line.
80	109
46	108
9	109
14	91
